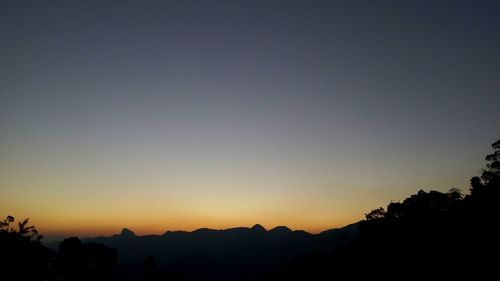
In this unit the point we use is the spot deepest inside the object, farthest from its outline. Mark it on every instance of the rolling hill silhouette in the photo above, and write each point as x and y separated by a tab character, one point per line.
209	254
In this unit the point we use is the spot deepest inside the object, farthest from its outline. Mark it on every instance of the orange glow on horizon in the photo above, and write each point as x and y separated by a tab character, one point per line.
105	226
88	230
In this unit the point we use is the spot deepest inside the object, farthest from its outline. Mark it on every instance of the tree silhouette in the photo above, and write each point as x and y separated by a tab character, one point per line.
424	237
150	269
23	257
375	214
22	253
4	225
24	229
82	261
492	171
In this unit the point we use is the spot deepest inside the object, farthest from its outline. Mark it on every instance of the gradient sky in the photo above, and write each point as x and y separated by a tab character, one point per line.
165	115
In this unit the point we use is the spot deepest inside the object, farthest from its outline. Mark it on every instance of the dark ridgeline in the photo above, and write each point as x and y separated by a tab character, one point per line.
428	236
240	253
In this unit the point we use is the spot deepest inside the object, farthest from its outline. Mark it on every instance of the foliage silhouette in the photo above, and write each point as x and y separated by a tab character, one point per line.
22	256
82	261
150	269
376	214
425	237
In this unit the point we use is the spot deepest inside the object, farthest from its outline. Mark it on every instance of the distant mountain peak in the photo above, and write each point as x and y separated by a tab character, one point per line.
280	229
205	230
127	233
258	227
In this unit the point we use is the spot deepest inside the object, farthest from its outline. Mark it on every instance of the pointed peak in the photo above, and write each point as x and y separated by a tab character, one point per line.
258	227
127	233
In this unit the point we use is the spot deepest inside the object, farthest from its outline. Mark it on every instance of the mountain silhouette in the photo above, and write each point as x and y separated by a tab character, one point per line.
280	230
258	228
126	233
210	254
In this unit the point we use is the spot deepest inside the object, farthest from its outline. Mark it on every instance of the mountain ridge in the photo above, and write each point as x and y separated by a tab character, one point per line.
238	252
128	233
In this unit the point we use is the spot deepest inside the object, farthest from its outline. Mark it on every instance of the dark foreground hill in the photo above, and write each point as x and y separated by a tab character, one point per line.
428	236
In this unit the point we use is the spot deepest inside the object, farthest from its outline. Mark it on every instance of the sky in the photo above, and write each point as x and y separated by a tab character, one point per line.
167	115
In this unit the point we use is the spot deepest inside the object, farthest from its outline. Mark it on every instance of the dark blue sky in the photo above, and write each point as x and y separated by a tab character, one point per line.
221	113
